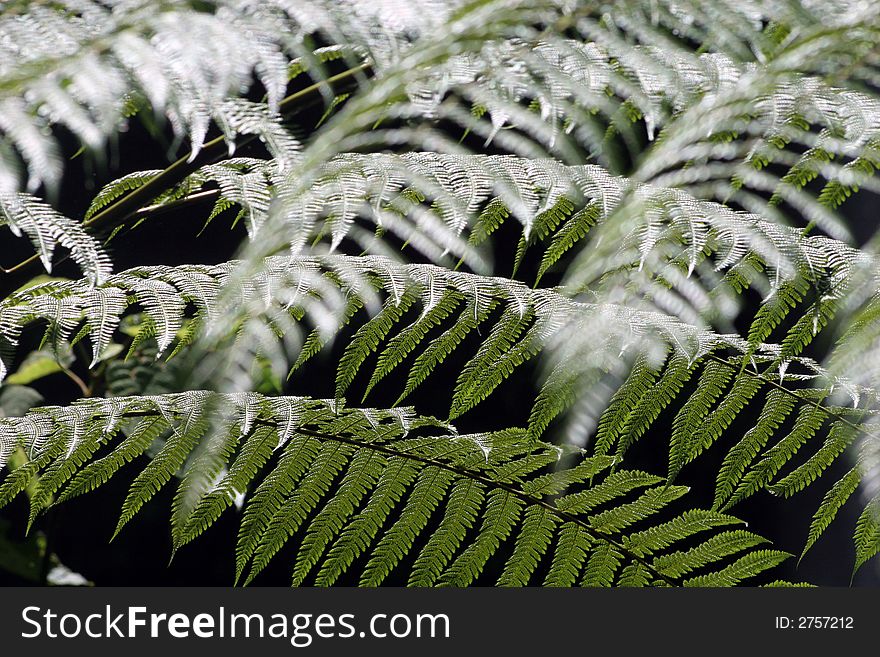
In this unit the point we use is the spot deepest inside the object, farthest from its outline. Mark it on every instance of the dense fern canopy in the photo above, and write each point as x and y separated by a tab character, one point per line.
637	210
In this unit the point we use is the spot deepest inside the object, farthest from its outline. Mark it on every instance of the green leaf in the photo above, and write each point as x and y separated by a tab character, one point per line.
867	534
743	568
602	565
572	549
38	365
462	510
831	504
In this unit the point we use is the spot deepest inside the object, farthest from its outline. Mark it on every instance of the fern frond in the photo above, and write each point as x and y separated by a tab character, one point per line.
743	390
393	485
649	503
532	541
840	436
164	465
602	566
693	413
360	476
530	320
572	549
500	515
640	380
714	549
462	510
391	190
616	485
740	138
648	407
745	567
395	544
495	484
367	339
867	534
683	526
289	518
183	61
136	442
117	188
270	495
809	421
635	575
46	228
834	499
741	455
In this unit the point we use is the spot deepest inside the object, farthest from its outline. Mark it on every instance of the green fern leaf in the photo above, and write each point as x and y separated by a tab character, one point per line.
394	483
488	367
651	501
361	476
744	388
602	566
745	567
299	453
517	469
117	188
572	548
254	454
867	534
163	466
678	564
410	337
531	543
23	476
428	492
638	384
439	348
648	408
203	469
98	472
831	504
462	510
693	414
555	483
840	436
662	536
808	422
635	575
778	406
316	340
313	487
57	473
774	311
367	339
500	516
574	230
615	485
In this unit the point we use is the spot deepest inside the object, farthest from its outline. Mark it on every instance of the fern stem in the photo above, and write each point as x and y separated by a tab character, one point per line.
83	387
192	199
